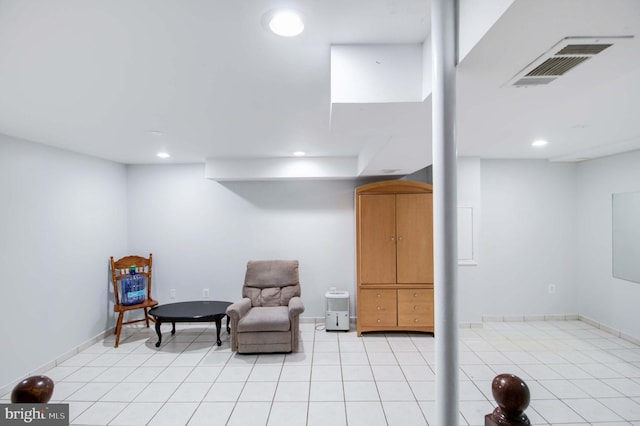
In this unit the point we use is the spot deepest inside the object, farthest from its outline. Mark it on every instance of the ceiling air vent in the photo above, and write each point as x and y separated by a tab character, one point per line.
557	66
560	59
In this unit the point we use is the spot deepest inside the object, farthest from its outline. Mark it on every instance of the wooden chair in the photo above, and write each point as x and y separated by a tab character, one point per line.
120	269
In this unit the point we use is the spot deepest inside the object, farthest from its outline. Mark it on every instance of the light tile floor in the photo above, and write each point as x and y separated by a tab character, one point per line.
577	375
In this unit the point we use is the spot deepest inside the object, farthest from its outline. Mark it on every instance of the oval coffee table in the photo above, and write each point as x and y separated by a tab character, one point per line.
196	311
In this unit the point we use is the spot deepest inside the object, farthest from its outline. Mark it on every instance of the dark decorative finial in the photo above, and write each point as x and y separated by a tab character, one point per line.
513	396
34	389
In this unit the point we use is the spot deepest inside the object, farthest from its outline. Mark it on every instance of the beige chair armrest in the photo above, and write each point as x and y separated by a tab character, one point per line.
295	307
239	309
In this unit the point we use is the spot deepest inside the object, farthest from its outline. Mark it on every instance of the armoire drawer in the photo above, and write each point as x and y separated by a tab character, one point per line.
415	307
377	307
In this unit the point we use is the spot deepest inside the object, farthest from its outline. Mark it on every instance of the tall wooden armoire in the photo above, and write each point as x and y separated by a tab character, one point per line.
394	249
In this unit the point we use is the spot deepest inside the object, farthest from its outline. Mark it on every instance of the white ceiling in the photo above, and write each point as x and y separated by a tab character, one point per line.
203	79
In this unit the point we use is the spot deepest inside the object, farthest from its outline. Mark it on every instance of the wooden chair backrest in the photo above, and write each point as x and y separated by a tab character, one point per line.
120	268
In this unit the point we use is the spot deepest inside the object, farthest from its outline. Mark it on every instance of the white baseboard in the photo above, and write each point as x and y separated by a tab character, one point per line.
520	318
563	317
59	360
470	325
610	330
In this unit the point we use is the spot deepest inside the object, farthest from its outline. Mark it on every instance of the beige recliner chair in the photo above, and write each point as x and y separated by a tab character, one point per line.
267	318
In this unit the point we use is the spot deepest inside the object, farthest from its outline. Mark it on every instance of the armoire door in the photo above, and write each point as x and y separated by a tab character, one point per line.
414	233
377	239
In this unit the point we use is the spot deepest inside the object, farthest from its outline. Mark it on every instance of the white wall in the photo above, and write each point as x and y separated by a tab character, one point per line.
548	223
202	232
62	216
469	199
526	241
599	296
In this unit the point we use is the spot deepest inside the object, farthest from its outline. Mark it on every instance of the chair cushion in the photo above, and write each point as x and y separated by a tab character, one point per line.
265	318
271	282
270	296
271	273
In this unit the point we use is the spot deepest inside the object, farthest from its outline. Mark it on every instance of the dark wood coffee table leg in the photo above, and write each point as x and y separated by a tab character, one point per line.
158	332
173	329
228	328
218	327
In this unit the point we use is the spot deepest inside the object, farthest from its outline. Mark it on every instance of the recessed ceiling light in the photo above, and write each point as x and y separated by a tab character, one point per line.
539	142
285	23
299	154
163	155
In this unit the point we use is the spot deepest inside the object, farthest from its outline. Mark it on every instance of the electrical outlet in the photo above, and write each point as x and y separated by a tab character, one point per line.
205	293
552	289
172	293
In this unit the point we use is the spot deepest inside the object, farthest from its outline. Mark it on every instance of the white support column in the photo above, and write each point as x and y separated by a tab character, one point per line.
443	35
